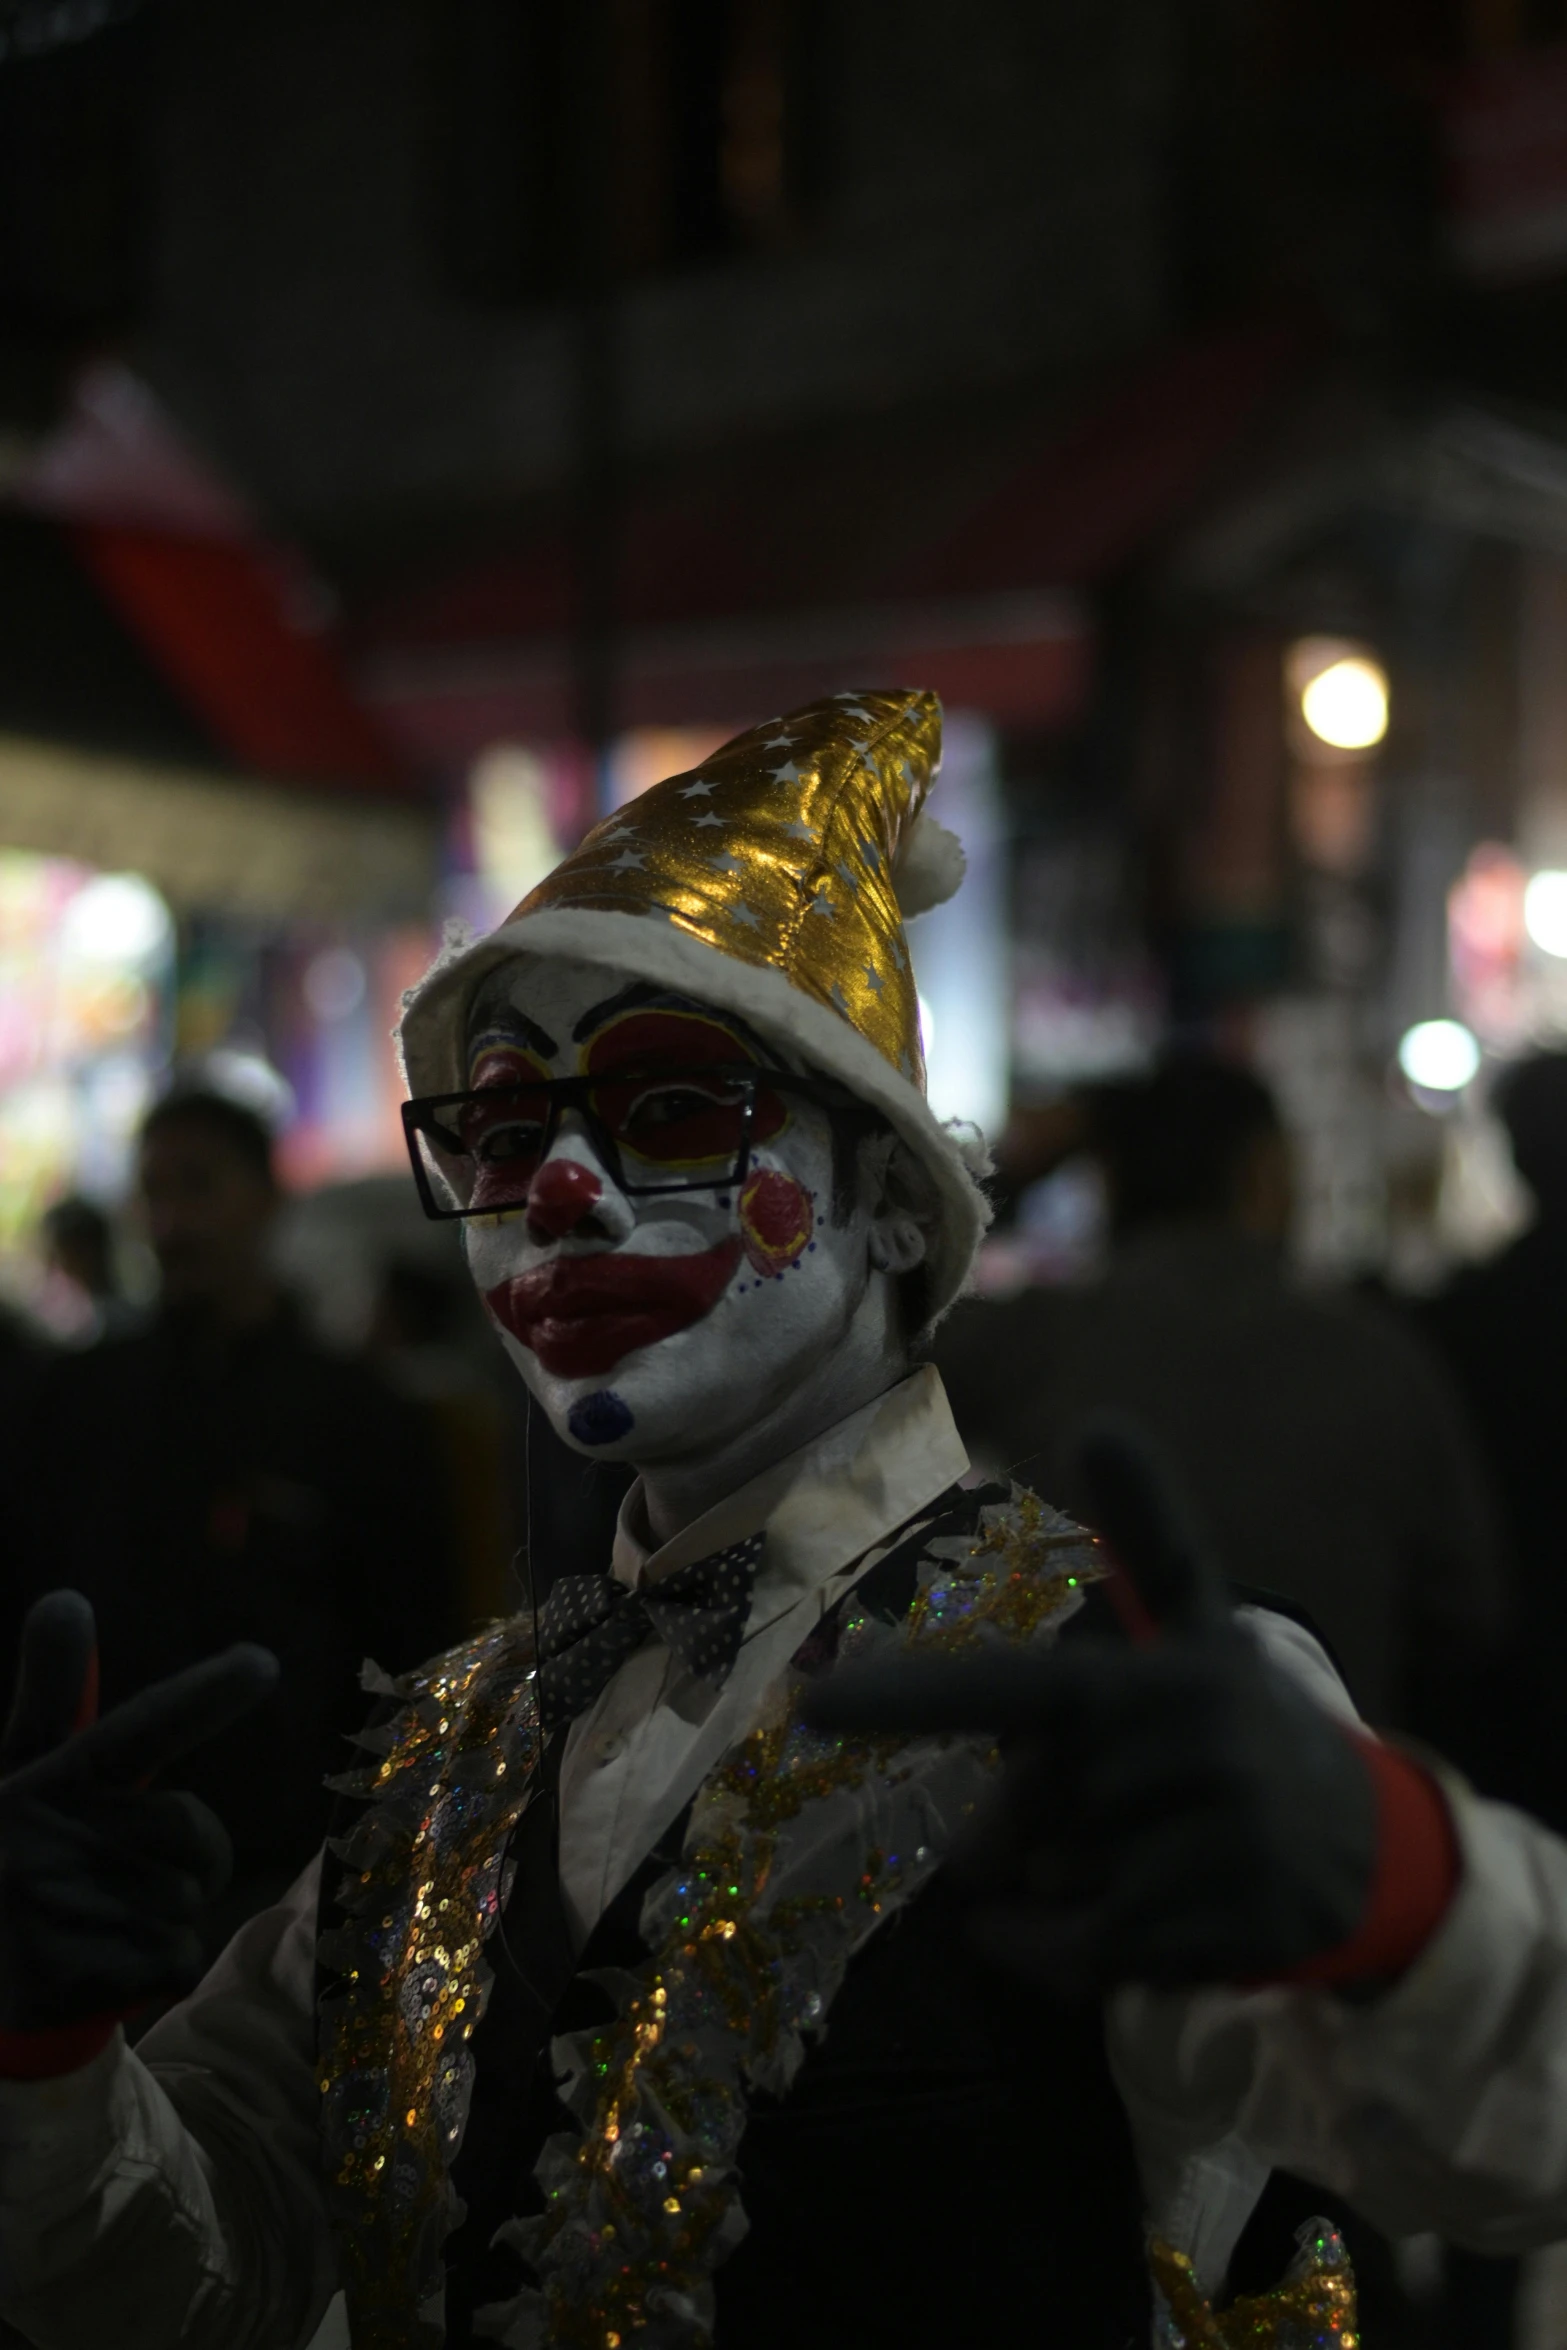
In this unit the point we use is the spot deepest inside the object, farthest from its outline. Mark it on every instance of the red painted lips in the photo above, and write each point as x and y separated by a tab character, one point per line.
581	1315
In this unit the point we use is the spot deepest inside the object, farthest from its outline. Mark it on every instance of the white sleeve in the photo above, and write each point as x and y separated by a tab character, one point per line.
1297	1653
1441	2106
170	2195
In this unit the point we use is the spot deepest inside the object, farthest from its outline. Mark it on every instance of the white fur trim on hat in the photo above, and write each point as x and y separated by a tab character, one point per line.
646	946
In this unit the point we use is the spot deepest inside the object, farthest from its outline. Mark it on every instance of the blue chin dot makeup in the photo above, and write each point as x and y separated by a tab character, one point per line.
599	1419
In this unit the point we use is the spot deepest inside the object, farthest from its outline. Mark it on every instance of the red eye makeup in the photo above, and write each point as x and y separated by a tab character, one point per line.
668	1094
661	1123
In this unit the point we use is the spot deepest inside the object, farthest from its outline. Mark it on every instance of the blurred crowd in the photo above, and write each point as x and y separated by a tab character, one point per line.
210	1465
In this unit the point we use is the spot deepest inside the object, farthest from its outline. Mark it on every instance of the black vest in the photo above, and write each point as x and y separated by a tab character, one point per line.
952	2163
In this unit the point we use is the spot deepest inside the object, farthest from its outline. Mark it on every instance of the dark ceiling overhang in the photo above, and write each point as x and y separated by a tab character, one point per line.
961	554
147	615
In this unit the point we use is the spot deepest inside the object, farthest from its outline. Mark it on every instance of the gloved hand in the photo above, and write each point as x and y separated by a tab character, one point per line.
102	1877
1173	1813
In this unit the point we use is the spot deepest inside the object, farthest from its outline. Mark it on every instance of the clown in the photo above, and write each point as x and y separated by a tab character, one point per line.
629	2003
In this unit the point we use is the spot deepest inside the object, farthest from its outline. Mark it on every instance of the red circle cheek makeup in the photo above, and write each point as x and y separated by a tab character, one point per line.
775	1220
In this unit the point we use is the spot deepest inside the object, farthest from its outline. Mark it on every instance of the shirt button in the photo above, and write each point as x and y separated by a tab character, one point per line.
607	1746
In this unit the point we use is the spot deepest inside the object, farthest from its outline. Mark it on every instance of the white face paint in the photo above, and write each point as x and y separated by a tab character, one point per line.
662	1326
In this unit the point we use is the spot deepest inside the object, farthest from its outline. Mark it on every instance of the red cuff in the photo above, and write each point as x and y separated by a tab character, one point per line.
48	2056
1417	1873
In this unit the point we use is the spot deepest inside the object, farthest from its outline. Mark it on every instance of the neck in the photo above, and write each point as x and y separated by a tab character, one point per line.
869	1359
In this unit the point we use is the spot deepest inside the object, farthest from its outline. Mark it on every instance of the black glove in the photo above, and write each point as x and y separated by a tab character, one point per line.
1173	1813
102	1878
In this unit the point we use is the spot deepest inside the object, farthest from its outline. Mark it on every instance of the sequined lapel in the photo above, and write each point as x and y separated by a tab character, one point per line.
421	1891
1313	2309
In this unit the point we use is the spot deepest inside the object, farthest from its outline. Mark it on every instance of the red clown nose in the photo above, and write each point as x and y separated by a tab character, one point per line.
560	1196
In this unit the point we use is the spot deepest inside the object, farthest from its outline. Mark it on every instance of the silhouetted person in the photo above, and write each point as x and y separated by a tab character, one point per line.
1321	1445
78	1243
419	1323
1503	1328
218	1476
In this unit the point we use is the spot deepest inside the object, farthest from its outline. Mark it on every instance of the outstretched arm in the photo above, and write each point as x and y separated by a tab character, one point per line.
1315	1947
168	2196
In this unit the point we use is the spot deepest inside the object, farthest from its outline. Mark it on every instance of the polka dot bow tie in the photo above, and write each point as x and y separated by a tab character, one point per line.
590	1624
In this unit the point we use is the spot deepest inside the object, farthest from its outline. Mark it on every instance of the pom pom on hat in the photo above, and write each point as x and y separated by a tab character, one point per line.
930	869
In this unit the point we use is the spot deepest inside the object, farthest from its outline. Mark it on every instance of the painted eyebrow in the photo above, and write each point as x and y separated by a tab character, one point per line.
641	991
511	1023
646	991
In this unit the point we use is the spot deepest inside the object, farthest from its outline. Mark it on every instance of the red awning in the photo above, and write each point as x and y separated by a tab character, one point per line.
214	616
227	619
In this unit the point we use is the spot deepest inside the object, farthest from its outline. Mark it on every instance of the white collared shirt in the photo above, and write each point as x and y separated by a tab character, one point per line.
639	1753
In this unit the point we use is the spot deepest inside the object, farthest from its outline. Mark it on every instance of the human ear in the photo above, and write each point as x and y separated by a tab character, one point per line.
900	1202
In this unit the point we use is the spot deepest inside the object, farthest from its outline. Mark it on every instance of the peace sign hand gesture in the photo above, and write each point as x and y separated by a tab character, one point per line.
103	1877
1175	1812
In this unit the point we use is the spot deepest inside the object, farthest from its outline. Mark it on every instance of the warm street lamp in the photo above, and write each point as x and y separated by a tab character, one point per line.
1345	703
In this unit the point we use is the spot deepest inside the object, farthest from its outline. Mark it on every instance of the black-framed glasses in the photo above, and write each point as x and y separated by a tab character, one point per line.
655	1128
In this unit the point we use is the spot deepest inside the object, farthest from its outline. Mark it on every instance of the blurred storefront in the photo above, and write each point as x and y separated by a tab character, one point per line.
86	994
110	979
1255	732
208	855
1148	550
1356	646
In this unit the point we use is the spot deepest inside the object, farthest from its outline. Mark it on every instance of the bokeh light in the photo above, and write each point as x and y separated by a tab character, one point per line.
1545	912
1345	705
334	984
1439	1056
117	918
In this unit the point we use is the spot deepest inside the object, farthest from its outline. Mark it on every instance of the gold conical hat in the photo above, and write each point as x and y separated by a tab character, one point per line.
780	851
772	881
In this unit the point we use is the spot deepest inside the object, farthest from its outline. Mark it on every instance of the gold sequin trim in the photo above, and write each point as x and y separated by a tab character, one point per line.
421	1891
1313	2309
